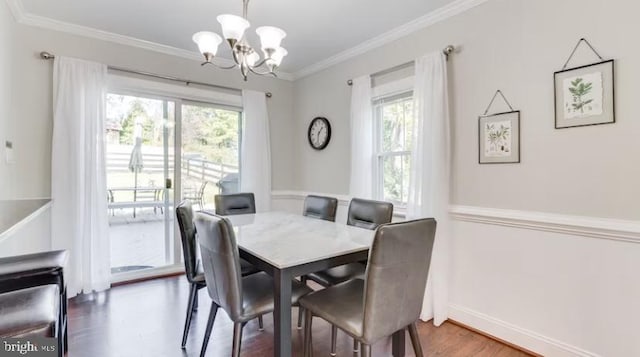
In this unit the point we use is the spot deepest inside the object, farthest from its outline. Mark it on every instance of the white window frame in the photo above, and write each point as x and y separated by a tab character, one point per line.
402	88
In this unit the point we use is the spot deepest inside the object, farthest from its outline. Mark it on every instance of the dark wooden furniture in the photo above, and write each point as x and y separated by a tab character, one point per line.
46	269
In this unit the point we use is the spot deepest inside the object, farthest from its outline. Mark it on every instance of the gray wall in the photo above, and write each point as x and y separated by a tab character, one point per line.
7	27
513	45
31	106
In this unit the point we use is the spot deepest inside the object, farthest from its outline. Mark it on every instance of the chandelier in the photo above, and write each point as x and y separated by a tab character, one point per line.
246	58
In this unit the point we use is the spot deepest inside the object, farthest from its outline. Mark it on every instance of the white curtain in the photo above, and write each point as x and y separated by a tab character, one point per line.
78	178
255	157
430	174
361	182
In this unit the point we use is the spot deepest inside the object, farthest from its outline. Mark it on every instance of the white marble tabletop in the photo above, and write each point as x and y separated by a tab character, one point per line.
285	240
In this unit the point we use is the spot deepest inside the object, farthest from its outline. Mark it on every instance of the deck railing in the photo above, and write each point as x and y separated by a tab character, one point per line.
196	168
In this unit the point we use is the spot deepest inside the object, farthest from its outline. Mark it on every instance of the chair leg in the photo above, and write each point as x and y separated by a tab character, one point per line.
356	345
365	350
308	345
192	295
237	339
300	316
334	336
195	301
260	323
65	320
415	340
207	332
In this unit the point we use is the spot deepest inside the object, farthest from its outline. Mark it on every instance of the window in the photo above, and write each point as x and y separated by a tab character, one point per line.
393	117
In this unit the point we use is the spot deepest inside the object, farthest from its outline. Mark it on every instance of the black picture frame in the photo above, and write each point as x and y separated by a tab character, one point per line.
514	158
608	96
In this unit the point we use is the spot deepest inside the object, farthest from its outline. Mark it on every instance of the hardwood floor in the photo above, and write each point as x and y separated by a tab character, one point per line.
146	319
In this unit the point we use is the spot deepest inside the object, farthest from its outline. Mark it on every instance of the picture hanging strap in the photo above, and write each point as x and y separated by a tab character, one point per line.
494	98
576	48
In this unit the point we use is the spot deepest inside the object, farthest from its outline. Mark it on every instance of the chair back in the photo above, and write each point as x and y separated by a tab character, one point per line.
396	276
221	262
235	203
201	190
184	214
369	214
320	207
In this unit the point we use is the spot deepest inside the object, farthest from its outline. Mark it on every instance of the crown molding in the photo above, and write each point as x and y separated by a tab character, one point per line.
16	8
432	18
23	17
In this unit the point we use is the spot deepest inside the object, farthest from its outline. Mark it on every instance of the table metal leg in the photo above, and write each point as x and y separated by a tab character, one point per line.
398	344
282	313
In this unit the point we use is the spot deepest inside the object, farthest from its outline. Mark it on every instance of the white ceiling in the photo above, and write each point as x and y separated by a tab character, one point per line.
316	29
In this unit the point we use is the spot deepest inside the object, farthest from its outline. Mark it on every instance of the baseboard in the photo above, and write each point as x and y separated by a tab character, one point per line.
527	340
504	342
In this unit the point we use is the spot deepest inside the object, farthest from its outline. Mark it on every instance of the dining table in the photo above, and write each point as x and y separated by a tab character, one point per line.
286	246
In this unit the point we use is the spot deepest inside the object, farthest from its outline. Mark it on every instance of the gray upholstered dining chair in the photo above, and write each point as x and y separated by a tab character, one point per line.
371	309
235	203
242	298
367	214
320	207
192	265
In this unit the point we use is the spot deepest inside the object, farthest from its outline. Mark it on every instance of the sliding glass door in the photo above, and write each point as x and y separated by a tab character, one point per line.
140	171
210	152
161	151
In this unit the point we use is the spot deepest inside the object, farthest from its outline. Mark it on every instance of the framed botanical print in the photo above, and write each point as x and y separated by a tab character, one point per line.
499	138
585	95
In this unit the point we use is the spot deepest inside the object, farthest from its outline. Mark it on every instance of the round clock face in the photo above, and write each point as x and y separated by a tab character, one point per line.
319	133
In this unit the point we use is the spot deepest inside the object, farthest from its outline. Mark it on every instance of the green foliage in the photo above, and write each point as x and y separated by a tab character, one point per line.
212	133
209	133
496	135
579	89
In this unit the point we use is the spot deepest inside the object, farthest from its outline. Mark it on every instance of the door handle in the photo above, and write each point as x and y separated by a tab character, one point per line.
167	183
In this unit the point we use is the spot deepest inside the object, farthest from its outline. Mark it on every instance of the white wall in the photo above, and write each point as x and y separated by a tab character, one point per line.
32	99
6	45
31	236
557	293
514	46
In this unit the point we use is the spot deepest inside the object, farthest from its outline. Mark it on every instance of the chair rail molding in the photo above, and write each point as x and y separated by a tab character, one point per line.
591	227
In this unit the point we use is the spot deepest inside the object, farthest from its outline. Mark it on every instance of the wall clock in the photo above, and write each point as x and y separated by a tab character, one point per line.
319	133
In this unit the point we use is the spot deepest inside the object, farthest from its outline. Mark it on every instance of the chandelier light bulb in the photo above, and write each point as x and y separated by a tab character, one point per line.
207	42
270	37
276	58
252	59
233	27
279	55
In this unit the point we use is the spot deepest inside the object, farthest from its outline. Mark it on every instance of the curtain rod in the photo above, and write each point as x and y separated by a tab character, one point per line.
447	51
48	56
